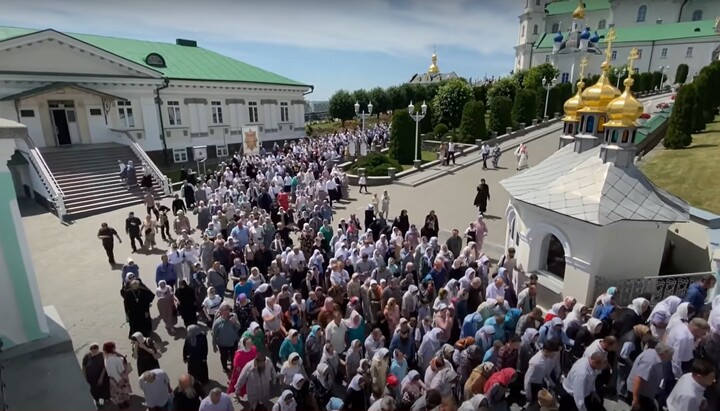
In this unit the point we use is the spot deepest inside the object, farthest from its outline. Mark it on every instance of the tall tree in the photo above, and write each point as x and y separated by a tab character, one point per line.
500	114
481	93
341	106
472	125
451	99
681	73
506	86
402	137
535	75
525	107
380	100
679	133
362	97
398	97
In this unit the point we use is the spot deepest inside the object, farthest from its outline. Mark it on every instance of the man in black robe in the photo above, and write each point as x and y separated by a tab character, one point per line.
137	299
482	197
188	394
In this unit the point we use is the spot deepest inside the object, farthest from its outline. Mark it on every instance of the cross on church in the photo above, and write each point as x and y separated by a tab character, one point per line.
583	66
634	55
609	38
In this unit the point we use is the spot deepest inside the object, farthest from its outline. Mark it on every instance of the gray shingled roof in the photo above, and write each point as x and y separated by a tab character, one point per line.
583	187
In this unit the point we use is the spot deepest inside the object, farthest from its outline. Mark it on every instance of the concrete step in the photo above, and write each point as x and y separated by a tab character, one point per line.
95	198
87	210
78	171
89	162
109	187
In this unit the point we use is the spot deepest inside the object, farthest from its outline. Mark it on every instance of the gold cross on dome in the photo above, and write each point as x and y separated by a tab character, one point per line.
634	55
583	66
609	39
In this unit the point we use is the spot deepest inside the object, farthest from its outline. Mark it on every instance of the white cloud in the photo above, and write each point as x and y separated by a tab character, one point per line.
406	27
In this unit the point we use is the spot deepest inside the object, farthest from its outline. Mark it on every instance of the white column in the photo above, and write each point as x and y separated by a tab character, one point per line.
23	318
194	118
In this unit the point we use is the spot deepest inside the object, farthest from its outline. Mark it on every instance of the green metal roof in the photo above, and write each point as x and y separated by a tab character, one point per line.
182	62
568	6
654	32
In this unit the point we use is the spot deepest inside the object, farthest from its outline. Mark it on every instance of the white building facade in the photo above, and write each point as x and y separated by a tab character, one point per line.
79	89
667	33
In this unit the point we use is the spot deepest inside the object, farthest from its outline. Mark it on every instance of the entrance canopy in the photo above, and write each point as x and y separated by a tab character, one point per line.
58	86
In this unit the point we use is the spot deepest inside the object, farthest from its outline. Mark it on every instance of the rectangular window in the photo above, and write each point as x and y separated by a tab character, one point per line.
639	54
221	151
70	116
180	155
663	53
253	112
95	112
547	58
217	114
125	112
174	118
565	77
284	112
637	70
27	113
614	55
688	53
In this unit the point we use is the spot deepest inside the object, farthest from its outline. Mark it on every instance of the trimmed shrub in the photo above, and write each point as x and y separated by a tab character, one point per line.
679	133
472	125
525	107
376	164
402	137
681	73
441	130
500	114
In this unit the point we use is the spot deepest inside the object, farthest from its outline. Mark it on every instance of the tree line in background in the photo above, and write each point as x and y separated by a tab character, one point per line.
696	105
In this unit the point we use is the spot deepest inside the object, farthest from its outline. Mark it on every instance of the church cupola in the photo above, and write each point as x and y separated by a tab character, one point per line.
571	108
433	69
585	39
557	41
620	132
579	17
596	99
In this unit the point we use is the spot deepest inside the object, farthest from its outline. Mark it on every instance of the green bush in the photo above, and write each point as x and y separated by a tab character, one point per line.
681	73
402	138
525	107
679	133
440	130
472	125
500	114
376	164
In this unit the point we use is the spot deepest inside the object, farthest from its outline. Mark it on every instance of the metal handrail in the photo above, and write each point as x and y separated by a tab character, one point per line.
46	175
665	277
147	162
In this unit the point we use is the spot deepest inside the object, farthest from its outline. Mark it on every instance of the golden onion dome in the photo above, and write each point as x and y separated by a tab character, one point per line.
579	12
599	95
624	110
434	69
574	104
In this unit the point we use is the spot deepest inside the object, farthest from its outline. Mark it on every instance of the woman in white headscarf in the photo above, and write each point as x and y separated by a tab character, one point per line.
575	319
444	382
352	359
166	306
484	337
286	402
291	367
331	358
323	383
668	306
466	280
682	315
429	346
452	288
379	371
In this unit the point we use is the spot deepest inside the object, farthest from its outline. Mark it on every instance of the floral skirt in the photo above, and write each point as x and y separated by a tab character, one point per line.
120	390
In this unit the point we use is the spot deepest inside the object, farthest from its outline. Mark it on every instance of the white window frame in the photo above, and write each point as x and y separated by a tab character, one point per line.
689	52
180	155
614	55
125	113
217	112
253	116
535	29
664	53
565	78
174	113
641	14
284	112
697	15
547	58
222	151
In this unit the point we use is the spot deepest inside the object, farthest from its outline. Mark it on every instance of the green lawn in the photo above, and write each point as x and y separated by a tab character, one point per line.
425	156
688	173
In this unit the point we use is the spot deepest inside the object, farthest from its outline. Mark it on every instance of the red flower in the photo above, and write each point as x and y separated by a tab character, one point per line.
645	116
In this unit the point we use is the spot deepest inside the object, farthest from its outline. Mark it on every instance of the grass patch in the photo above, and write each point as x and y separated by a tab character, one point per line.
685	172
425	156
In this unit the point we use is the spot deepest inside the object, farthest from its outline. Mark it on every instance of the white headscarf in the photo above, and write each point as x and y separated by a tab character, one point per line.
284	406
573	317
411	375
681	315
355	383
639	305
668	305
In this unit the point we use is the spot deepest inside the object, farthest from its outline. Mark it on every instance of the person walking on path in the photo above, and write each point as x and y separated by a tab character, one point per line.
93	367
362	182
132	229
485	152
496	153
107	234
482	197
451	152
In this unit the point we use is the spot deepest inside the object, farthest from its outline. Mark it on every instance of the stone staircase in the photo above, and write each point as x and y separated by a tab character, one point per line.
89	178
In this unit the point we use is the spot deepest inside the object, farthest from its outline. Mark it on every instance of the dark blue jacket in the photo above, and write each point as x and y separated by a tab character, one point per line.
407	347
696	295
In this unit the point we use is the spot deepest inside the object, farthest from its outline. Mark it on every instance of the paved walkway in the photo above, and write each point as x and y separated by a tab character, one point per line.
74	276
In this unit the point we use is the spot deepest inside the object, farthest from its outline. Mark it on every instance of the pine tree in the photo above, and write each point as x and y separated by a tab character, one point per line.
525	107
500	114
679	133
472	125
402	137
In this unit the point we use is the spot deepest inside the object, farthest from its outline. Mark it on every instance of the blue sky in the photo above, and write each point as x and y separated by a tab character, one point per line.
331	44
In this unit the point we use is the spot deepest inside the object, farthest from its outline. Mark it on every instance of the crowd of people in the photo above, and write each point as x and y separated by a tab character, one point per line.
376	313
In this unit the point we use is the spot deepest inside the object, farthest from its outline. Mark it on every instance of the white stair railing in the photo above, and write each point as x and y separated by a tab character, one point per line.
146	161
57	197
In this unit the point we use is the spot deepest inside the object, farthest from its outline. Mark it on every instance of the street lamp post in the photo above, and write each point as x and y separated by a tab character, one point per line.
547	85
363	115
619	74
417	116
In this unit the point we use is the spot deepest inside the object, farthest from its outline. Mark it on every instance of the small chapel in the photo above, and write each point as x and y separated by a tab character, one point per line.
587	212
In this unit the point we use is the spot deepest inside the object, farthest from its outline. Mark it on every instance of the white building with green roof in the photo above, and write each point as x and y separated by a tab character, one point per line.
667	33
169	96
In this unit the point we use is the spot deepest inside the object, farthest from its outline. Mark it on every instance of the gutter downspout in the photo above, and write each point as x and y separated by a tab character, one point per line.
652	51
158	102
682	7
532	49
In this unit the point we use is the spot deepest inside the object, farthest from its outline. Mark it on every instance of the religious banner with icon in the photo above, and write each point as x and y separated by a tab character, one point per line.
251	140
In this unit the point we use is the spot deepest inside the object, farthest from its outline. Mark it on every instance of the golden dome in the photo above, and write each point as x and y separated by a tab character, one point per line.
574	104
434	69
599	95
579	12
624	110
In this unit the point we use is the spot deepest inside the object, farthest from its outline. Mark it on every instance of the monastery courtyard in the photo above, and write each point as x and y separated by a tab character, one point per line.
73	274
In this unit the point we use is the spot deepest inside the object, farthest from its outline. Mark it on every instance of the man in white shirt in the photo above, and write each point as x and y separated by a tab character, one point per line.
543	370
682	339
496	289
602	345
451	152
578	388
688	394
294	257
335	332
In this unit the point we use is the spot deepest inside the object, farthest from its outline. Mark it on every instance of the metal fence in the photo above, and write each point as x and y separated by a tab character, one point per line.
657	288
